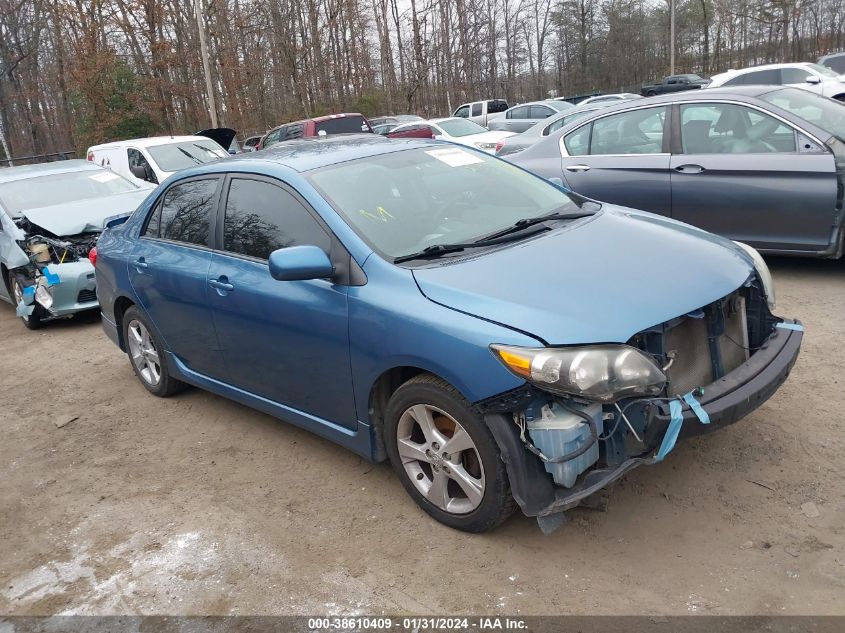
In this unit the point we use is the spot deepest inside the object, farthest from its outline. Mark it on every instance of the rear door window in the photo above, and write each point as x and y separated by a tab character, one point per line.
520	112
634	132
185	213
540	112
343	125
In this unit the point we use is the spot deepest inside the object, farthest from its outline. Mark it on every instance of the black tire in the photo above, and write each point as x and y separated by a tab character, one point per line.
16	285
166	385
497	503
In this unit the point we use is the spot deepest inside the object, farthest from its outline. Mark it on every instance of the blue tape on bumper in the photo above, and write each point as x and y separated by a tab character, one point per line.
790	326
696	407
52	278
674	428
28	295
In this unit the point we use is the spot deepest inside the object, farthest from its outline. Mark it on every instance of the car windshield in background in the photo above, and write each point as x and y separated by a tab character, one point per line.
403	202
343	125
461	127
823	70
178	156
52	189
560	106
827	114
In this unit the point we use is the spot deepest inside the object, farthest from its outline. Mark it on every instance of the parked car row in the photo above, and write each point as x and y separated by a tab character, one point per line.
410	296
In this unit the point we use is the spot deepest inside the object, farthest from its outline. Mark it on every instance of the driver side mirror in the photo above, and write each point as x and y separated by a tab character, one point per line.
143	173
812	79
300	263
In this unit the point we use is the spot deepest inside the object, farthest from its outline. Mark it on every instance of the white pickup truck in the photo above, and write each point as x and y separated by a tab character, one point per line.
481	112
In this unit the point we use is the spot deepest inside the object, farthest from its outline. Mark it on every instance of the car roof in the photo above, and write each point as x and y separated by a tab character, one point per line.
22	172
831	56
310	153
150	141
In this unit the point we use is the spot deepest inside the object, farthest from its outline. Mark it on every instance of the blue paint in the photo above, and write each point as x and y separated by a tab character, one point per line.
797	327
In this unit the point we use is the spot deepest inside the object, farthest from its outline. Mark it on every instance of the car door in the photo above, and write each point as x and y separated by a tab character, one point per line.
621	158
286	341
136	158
168	270
749	176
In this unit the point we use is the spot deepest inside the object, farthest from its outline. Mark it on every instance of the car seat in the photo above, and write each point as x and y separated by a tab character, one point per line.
695	136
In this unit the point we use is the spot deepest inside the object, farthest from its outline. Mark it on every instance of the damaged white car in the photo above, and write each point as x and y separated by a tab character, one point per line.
50	218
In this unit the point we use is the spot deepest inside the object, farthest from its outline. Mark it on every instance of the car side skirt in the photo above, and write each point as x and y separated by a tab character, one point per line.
358	441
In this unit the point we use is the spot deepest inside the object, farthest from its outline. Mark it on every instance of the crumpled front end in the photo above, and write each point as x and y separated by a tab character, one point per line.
720	362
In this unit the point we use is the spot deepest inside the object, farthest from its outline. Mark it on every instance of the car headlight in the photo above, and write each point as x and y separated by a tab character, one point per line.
762	272
605	373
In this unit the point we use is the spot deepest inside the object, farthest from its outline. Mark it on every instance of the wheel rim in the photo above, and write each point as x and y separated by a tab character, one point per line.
143	352
17	290
440	459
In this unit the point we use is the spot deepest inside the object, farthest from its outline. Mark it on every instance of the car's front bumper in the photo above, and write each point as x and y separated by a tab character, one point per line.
75	290
726	401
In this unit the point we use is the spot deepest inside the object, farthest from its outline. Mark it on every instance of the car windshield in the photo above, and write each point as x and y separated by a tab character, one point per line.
52	189
177	156
405	201
823	70
559	105
827	114
460	127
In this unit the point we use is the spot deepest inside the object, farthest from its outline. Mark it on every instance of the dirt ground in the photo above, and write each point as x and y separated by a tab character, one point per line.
197	505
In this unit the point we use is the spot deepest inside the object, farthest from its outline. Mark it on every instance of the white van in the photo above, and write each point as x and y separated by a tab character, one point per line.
151	160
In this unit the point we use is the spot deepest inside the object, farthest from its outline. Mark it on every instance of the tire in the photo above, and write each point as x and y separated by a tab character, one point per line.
466	488
145	353
33	321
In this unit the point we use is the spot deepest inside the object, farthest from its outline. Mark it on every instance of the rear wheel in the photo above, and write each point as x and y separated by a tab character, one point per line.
446	456
32	321
146	354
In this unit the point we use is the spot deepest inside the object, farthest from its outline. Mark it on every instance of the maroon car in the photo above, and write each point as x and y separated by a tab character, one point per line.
346	123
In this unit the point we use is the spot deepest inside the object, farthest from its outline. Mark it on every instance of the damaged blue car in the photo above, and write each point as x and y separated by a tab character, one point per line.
50	218
503	342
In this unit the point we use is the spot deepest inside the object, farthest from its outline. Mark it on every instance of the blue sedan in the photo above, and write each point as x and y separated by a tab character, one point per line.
503	342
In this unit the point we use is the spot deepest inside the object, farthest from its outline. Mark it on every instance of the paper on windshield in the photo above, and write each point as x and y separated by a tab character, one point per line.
454	156
105	176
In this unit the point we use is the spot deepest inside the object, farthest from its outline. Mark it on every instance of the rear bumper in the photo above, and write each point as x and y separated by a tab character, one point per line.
726	401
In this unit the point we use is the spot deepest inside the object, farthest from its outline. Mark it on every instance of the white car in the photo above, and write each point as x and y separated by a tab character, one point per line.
452	129
151	160
806	75
620	96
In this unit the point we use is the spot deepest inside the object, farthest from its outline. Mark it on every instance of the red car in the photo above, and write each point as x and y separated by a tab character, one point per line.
346	123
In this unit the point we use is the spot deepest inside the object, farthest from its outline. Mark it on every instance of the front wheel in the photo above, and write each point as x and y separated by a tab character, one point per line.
33	320
446	456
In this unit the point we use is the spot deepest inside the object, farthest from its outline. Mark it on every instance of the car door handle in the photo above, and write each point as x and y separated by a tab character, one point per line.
690	169
221	283
140	264
577	168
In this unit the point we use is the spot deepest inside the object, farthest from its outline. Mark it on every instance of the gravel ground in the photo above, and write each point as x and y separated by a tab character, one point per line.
197	505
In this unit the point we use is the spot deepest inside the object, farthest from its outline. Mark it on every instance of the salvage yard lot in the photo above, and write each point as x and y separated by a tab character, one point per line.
196	504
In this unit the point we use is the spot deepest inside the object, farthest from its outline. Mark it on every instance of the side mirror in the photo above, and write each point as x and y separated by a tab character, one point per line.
298	263
812	79
138	171
321	133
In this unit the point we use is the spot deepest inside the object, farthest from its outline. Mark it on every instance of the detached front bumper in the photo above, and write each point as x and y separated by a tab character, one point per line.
726	401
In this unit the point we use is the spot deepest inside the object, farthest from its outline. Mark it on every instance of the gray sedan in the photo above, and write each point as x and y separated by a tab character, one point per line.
756	164
520	118
519	142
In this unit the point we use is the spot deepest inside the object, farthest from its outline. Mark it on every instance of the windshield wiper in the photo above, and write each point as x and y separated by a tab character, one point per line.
191	156
436	250
524	223
514	232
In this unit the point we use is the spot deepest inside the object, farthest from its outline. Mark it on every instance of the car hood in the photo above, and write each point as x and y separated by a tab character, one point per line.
82	216
601	279
221	135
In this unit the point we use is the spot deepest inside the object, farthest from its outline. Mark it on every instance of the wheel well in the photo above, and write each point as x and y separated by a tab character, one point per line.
121	305
380	393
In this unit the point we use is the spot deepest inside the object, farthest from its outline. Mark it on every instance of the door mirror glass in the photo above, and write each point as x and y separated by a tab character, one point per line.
138	171
812	79
299	263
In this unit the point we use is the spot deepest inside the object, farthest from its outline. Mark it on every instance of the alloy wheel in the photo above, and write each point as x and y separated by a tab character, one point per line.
143	352
440	458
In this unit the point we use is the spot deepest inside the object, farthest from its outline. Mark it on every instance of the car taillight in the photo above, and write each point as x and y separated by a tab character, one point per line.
500	145
92	256
90	157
